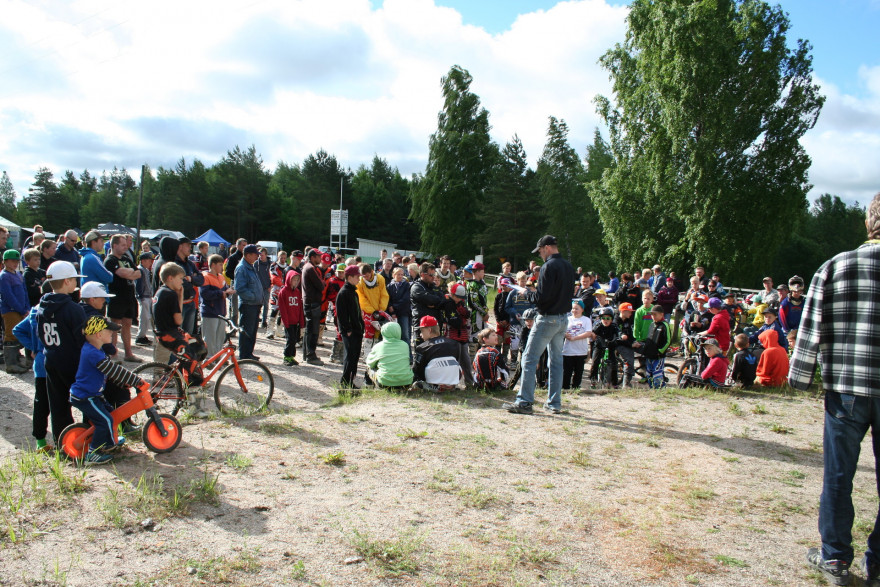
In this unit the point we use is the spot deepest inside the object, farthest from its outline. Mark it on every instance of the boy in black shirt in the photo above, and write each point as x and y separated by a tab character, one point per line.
33	276
745	362
606	332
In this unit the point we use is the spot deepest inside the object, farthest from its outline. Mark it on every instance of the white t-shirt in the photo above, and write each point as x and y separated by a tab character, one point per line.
577	327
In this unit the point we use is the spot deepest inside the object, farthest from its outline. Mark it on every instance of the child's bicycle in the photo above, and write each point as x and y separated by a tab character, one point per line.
243	387
604	371
695	358
161	433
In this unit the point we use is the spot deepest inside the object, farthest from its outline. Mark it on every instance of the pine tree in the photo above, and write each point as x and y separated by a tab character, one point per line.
461	161
45	204
7	198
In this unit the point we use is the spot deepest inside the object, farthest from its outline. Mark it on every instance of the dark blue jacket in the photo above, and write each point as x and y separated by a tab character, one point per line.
398	294
61	322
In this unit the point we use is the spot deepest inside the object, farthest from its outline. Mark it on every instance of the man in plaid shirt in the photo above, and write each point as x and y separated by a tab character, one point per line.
840	328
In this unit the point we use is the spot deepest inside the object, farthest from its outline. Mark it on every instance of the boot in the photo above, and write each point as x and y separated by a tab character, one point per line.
10	355
336	353
627	381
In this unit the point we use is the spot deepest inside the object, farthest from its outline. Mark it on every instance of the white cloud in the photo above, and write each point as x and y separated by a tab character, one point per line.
97	83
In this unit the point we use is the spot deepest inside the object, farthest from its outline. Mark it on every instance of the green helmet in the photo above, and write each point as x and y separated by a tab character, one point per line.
340	267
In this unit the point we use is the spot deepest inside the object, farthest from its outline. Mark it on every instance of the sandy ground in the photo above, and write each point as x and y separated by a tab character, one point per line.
625	488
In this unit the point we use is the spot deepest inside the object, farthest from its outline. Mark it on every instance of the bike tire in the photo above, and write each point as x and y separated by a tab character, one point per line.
687	368
168	398
247	395
153	439
73	442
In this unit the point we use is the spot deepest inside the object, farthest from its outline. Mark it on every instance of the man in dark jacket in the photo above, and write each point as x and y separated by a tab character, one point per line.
313	296
193	280
231	263
262	266
250	296
351	327
425	300
553	300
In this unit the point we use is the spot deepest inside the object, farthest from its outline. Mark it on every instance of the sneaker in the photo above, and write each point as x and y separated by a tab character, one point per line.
290	361
517	408
270	336
423	386
837	571
143	341
551	409
97	458
46	448
314	361
871	570
133	359
129	428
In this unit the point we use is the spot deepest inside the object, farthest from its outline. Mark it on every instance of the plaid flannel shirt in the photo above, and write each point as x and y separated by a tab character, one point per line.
840	326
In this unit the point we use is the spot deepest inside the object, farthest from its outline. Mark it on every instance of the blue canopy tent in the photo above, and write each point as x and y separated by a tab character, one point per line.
212	238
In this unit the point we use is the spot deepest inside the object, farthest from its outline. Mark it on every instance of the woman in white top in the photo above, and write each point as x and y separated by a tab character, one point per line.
576	346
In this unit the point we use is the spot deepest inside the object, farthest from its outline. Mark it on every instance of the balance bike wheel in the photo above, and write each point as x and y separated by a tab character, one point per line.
74	441
153	438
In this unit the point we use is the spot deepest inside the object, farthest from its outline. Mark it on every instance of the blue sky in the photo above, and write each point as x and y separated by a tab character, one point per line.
99	83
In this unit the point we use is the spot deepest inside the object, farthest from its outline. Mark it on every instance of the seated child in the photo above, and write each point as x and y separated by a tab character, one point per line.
528	321
388	361
435	361
773	365
490	370
290	307
715	373
168	318
95	368
457	316
745	362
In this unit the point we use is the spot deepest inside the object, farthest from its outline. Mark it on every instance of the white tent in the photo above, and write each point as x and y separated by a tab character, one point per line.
14	232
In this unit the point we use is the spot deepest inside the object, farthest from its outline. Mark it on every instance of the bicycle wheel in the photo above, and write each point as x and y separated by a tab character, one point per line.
605	373
74	441
166	389
153	438
687	368
245	389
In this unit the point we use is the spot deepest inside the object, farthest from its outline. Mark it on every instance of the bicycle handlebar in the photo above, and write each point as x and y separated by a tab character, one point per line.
230	323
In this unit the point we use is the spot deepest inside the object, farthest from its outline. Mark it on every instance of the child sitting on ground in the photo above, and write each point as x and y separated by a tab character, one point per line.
745	362
290	307
95	368
490	370
388	361
715	373
773	365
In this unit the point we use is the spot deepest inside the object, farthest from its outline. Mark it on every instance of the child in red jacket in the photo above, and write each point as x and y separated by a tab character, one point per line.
773	364
290	306
715	373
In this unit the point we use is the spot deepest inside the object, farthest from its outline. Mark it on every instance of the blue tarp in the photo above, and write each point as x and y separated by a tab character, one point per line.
212	238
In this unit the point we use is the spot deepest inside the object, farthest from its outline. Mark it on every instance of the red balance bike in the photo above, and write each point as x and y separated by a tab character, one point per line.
161	433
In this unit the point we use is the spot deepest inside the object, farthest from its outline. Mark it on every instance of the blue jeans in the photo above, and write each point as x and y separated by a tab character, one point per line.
548	332
249	320
847	420
189	318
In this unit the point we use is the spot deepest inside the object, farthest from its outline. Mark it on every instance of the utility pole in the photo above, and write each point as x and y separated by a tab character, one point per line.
137	242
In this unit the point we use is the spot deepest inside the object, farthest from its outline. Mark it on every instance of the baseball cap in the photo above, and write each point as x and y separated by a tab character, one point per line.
701	298
314	253
658	309
478	266
326	258
427	321
544	241
625	306
711	342
606	312
579	302
340	268
93	289
715	303
251	250
782	287
11	254
91	236
184	240
469	268
146	255
61	270
352	270
459	290
770	310
298	253
96	324
504	282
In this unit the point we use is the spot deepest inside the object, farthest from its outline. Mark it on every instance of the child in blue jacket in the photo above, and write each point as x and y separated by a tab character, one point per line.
28	334
14	306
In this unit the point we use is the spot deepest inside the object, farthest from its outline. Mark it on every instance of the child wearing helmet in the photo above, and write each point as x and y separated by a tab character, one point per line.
605	335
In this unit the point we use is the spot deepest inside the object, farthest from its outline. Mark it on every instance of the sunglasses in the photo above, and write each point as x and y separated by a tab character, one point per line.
605	318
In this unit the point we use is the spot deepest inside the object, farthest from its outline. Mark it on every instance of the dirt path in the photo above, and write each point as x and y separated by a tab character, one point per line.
629	488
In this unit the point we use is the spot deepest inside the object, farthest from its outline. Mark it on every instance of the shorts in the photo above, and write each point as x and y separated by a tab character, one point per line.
121	308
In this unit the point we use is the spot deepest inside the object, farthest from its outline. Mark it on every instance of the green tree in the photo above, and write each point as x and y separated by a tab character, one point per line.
380	206
461	161
323	177
710	104
238	185
44	204
7	198
511	210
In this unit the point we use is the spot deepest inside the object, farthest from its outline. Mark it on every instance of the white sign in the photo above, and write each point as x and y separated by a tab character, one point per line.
339	222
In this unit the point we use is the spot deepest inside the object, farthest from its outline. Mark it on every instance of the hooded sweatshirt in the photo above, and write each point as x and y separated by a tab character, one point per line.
773	364
61	322
390	358
167	252
212	300
28	333
373	298
93	268
719	328
290	302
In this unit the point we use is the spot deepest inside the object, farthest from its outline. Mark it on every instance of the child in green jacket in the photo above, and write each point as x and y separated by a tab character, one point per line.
388	361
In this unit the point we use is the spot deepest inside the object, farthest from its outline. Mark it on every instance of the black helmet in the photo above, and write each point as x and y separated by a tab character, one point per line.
530	314
606	312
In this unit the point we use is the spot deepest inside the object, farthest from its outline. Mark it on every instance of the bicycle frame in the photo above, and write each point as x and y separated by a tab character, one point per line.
142	402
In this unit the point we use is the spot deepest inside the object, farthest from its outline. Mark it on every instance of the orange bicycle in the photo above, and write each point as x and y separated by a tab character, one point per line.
243	386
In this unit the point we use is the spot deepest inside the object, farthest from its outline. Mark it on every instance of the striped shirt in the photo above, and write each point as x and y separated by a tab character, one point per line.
840	325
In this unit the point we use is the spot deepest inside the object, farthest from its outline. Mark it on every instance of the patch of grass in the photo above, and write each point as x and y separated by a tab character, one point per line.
780	429
442	481
759	409
239	462
396	556
730	459
581	459
729	561
335	459
298	571
69	480
734	409
410	434
477	497
279	428
522	486
350	419
478	439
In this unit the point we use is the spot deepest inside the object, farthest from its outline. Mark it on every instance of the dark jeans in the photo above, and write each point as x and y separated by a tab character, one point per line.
41	408
58	388
292	338
572	371
249	320
351	354
847	420
313	323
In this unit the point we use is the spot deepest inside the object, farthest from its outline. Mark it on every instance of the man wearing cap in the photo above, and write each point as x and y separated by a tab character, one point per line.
426	300
350	323
92	265
123	307
768	295
840	328
144	292
250	300
792	307
553	300
313	294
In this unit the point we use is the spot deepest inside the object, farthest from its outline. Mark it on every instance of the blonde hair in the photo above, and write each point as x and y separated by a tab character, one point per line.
396	271
170	270
874	217
484	334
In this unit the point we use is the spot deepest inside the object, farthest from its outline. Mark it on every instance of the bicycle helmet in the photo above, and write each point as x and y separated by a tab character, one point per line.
606	312
530	314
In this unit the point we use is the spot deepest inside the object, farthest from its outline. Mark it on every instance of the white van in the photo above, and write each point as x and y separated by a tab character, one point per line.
272	247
